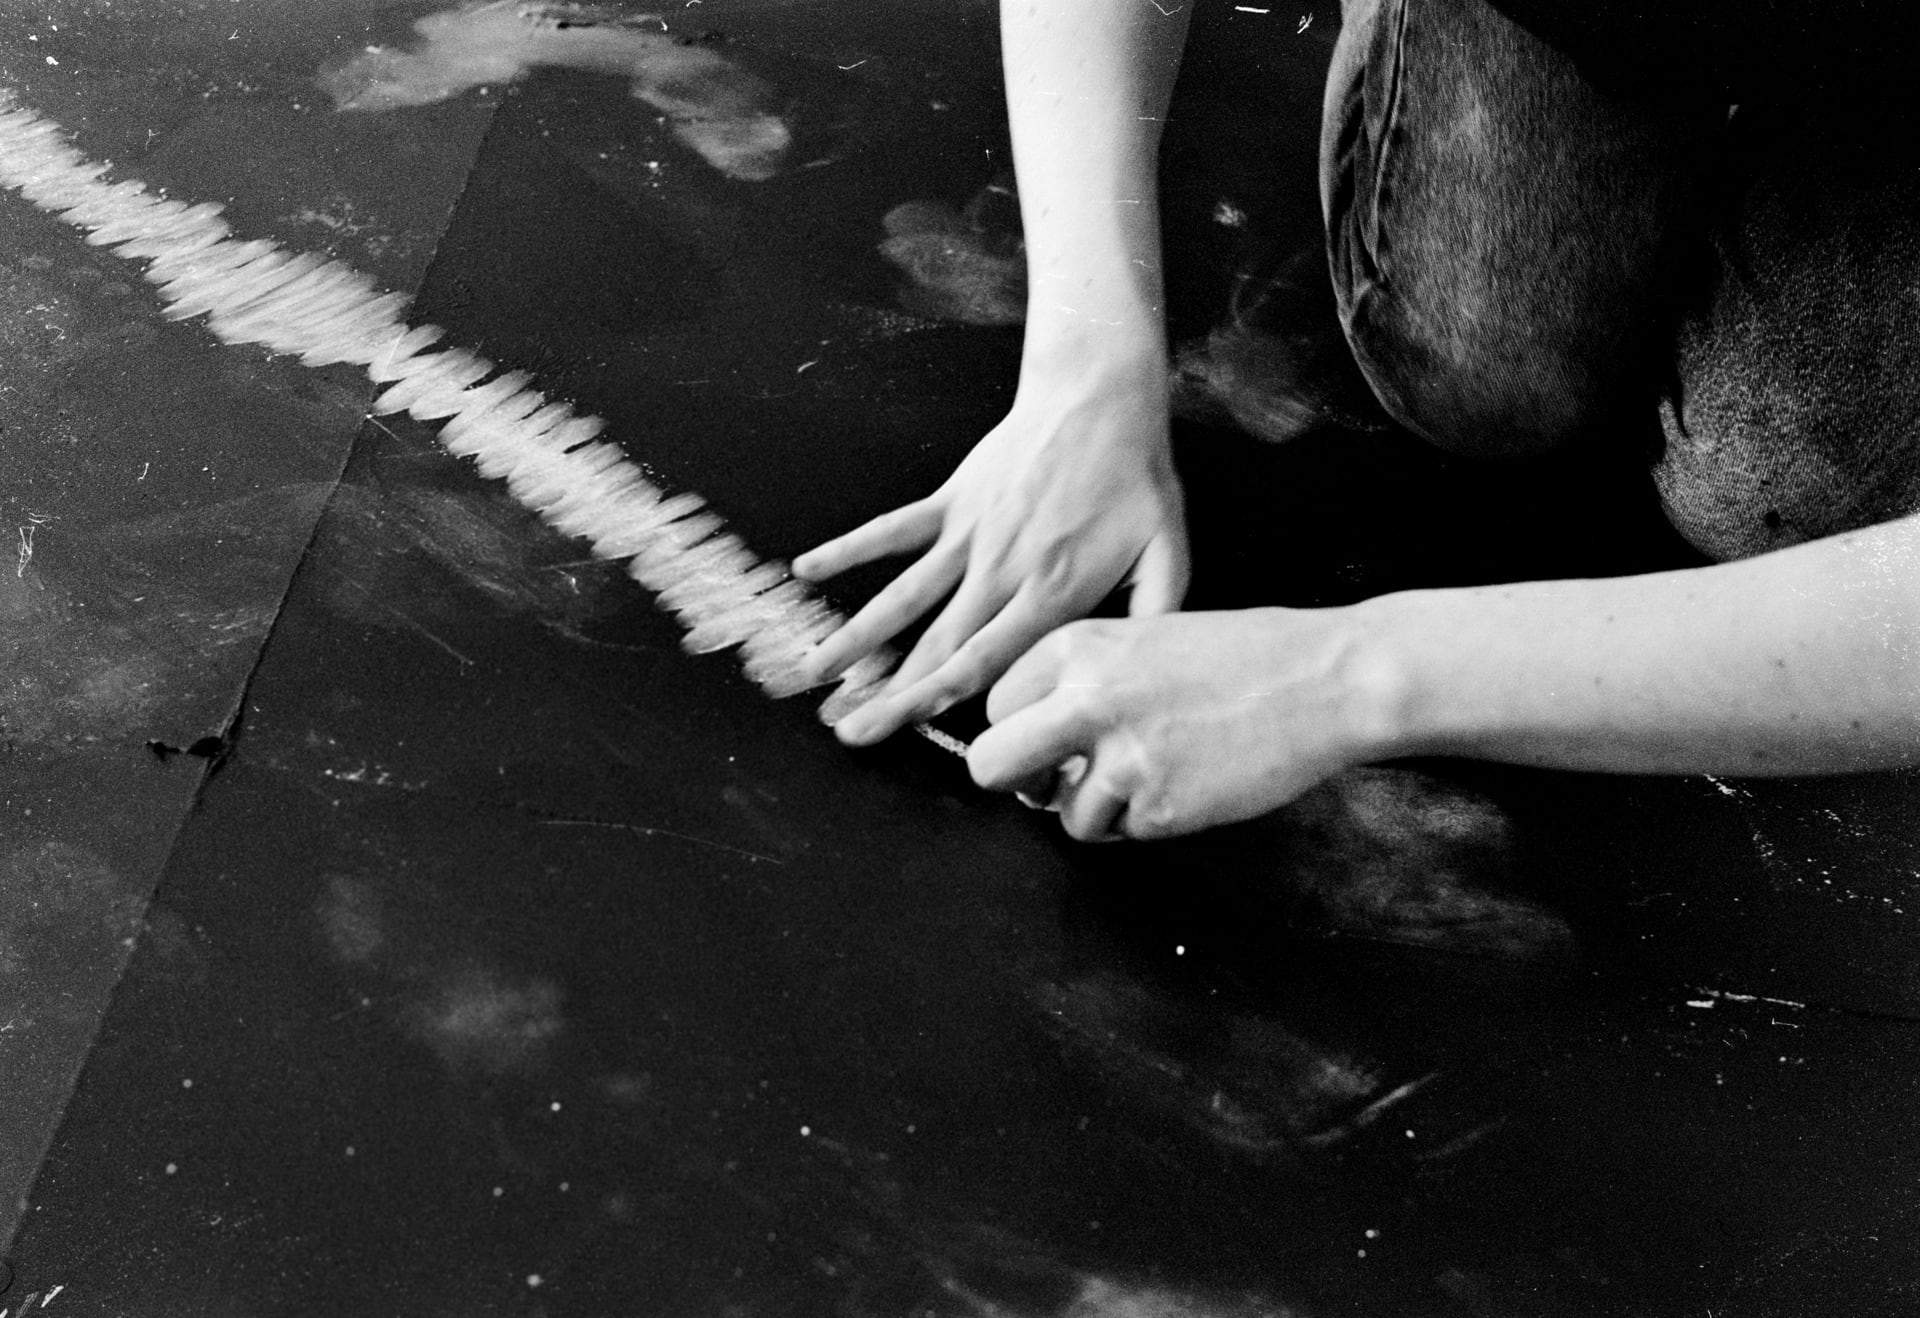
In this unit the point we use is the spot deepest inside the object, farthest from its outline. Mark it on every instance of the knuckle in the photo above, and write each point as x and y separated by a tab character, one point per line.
1080	702
1053	568
1054	651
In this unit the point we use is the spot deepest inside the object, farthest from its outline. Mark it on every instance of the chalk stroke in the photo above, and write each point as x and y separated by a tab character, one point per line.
709	104
324	311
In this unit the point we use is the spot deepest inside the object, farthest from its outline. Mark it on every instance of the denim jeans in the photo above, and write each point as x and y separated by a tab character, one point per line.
1523	262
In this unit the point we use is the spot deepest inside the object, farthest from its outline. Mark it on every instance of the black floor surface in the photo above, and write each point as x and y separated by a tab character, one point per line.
394	920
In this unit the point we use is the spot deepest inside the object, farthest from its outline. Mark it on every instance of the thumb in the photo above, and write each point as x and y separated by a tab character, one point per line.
1160	576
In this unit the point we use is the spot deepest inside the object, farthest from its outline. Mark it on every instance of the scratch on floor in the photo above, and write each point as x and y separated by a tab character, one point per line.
414	625
647	830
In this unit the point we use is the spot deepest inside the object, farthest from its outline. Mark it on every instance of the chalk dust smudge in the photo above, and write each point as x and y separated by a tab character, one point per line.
180	954
484	1020
1249	1083
1399	855
75	676
350	920
1109	1297
711	105
104	636
967	266
1277	366
56	899
391	552
479	1018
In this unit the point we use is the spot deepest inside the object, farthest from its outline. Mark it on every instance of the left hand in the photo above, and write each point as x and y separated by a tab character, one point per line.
1156	726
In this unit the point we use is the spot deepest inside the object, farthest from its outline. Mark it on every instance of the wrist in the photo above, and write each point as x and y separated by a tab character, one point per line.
1094	307
1125	358
1384	693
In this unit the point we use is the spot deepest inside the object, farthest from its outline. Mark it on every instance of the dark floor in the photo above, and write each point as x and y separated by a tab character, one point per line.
393	920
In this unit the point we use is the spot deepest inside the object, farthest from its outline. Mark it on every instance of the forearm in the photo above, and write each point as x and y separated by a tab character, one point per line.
1088	83
1801	661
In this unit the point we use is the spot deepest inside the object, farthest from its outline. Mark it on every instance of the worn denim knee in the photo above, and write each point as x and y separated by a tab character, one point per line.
1504	240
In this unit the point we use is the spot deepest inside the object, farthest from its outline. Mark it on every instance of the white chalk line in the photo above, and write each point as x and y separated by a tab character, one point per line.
325	311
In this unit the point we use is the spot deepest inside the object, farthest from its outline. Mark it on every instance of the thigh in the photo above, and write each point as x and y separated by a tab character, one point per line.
1504	239
1797	408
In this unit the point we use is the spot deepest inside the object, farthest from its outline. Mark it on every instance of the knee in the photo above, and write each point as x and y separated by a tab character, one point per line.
1472	383
1498	234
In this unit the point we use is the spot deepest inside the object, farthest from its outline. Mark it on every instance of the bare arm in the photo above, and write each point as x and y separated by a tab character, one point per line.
1088	83
1806	660
1075	489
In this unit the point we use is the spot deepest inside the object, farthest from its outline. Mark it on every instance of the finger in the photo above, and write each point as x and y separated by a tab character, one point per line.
898	532
899	602
974	605
1093	811
1032	744
969	669
1030	678
1160	577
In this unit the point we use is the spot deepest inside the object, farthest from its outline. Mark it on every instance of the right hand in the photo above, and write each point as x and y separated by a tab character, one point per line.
1073	491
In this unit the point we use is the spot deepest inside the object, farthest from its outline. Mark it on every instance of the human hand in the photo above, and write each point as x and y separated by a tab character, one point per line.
1074	489
1145	728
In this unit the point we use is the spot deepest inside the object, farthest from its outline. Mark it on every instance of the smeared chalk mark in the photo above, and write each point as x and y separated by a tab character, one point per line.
481	1019
324	311
1096	1296
710	105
